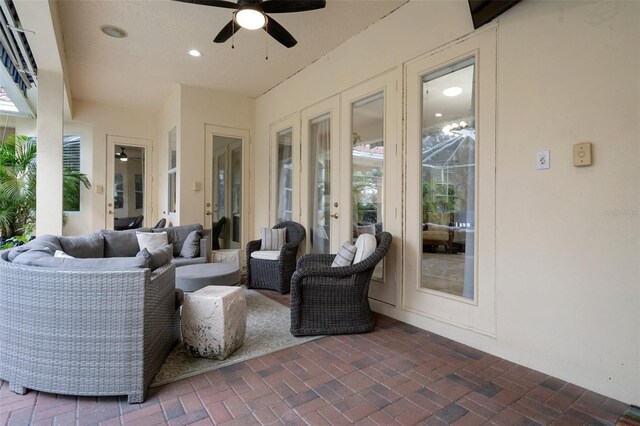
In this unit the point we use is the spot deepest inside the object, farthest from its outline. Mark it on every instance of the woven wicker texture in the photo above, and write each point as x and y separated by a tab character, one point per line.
271	274
334	300
85	332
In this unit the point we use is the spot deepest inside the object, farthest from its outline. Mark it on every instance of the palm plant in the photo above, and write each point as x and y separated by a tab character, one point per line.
18	185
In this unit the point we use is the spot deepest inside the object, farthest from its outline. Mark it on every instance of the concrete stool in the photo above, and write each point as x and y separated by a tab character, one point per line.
214	321
195	277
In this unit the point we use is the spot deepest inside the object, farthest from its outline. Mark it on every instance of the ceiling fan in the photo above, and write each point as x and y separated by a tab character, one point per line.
252	15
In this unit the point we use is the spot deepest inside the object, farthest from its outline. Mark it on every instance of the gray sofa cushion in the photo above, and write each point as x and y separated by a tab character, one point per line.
178	234
101	264
121	243
181	261
158	257
83	246
191	246
43	246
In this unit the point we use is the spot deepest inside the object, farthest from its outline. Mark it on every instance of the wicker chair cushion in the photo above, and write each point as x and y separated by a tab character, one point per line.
158	257
178	234
121	243
44	246
365	246
100	264
272	239
83	246
191	246
152	240
266	254
345	255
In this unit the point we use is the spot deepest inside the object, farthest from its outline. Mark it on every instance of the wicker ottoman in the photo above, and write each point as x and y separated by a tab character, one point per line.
214	321
195	277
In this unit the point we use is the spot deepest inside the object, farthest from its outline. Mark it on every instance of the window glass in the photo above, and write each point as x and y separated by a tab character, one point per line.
285	176
448	179
71	163
172	171
320	183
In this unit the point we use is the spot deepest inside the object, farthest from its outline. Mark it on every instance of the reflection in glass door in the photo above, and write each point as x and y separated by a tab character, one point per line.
284	182
448	179
320	183
367	165
226	189
128	207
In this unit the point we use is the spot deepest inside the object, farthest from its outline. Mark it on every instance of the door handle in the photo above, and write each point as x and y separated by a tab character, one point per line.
110	212
335	215
208	213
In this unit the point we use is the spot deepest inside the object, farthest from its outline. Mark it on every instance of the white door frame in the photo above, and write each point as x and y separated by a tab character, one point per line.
147	145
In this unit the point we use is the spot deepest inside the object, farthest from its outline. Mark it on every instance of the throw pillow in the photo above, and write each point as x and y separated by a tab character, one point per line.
345	255
157	258
191	246
151	240
272	239
84	246
60	253
365	245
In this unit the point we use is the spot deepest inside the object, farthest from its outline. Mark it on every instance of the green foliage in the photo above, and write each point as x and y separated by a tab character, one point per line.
365	193
438	197
18	187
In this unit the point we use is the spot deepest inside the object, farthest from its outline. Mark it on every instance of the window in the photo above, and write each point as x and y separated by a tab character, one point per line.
139	191
285	175
172	171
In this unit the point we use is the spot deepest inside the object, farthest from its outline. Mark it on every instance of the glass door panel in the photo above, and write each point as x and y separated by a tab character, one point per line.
367	165
284	202
448	179
236	194
128	187
226	189
320	183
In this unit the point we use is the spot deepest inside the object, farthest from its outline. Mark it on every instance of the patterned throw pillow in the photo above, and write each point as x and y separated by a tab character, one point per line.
272	239
345	255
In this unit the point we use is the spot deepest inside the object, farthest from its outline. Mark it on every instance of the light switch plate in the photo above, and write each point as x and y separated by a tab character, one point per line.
542	160
582	154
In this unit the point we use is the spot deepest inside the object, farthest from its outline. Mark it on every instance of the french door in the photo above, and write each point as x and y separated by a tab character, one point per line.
225	193
128	190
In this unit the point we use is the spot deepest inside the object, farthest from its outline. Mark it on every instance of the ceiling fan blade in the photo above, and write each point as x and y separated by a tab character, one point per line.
216	3
285	6
278	32
225	33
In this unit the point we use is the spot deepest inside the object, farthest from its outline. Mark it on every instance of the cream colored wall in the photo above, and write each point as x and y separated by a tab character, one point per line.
199	107
568	246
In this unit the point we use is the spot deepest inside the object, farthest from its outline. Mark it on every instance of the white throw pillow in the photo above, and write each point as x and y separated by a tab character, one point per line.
272	239
266	254
366	245
60	253
152	240
345	255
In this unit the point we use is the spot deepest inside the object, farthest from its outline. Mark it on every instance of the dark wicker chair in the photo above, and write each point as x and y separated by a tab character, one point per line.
275	274
327	300
215	233
161	224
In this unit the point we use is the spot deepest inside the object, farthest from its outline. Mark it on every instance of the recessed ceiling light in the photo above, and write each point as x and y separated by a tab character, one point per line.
195	53
113	31
452	91
438	114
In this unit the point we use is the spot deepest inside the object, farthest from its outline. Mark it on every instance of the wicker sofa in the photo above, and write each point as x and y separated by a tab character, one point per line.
93	326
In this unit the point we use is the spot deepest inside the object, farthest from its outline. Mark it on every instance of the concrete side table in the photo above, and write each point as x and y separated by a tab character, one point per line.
232	256
214	321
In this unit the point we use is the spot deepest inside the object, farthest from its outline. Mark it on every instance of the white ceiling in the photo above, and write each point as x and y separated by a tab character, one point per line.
138	71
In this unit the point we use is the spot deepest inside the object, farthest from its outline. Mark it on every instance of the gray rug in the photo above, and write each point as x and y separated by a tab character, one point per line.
268	325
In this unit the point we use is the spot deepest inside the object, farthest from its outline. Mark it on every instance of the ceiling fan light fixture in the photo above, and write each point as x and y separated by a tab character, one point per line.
250	18
123	155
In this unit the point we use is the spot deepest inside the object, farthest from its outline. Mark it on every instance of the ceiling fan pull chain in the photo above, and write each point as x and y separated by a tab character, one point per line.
233	30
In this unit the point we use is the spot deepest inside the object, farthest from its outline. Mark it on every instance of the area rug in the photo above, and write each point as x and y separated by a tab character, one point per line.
631	417
268	325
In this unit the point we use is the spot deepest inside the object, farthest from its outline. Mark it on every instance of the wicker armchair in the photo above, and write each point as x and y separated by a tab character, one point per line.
215	233
275	274
85	332
328	300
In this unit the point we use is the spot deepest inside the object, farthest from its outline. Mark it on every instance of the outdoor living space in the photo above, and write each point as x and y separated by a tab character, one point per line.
486	151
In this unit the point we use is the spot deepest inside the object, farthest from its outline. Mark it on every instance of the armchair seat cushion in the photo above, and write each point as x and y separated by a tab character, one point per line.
266	254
